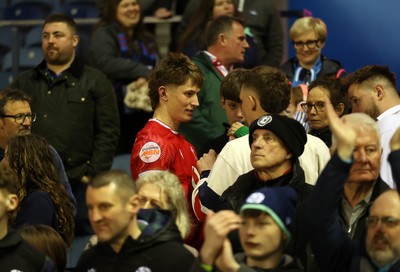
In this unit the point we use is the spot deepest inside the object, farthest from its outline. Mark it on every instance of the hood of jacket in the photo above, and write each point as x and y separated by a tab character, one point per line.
157	226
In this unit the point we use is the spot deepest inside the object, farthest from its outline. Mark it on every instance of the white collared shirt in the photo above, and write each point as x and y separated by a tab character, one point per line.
388	122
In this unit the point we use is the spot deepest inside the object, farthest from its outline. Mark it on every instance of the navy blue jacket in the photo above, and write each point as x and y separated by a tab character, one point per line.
333	249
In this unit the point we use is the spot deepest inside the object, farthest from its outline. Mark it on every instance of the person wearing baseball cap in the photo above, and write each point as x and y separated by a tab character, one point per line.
265	225
276	142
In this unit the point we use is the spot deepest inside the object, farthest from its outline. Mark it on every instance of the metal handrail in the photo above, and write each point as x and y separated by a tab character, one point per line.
16	24
88	21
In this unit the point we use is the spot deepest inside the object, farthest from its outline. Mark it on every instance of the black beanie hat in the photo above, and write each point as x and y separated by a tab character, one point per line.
290	131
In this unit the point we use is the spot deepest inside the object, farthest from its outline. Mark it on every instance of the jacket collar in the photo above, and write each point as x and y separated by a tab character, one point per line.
159	227
203	58
10	240
76	68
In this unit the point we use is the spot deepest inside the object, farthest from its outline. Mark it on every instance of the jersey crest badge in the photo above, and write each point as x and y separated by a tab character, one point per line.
150	152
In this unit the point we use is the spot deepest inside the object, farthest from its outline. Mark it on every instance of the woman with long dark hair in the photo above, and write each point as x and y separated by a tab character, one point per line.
43	199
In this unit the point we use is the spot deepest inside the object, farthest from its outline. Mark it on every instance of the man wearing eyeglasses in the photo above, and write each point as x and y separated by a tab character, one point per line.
76	109
16	115
308	36
348	170
16	118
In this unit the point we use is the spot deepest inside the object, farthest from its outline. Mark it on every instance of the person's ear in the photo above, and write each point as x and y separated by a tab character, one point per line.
223	101
321	44
75	40
288	156
379	92
162	93
222	39
340	109
253	102
11	202
134	204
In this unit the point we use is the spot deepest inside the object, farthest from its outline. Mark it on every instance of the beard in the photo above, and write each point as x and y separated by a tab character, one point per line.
57	57
372	111
384	256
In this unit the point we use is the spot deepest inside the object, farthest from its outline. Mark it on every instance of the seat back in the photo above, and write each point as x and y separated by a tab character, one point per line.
81	9
28	58
34	37
5	39
6	78
27	11
122	162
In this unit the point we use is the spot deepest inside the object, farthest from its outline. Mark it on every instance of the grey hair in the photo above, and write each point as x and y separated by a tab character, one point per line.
362	124
176	201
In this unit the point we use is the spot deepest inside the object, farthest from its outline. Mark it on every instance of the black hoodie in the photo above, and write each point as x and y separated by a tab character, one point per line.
158	248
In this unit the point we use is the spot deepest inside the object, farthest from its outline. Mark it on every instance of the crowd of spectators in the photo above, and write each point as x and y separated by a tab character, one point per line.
239	160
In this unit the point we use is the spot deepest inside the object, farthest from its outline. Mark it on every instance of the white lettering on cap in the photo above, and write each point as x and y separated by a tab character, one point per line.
143	269
264	120
255	198
150	152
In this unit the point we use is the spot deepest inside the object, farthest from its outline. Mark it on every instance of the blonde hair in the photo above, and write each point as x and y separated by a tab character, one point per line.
305	24
176	201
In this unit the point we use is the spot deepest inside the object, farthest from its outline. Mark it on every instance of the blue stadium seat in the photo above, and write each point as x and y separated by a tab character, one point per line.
3	5
37	2
122	162
81	8
28	58
28	9
6	79
34	37
5	40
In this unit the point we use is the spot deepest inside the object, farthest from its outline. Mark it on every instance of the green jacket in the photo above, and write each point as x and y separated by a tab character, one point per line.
77	114
207	119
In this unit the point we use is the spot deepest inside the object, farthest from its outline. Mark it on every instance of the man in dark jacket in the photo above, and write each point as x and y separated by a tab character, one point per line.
16	254
226	46
262	18
16	118
333	249
113	206
363	183
276	143
75	106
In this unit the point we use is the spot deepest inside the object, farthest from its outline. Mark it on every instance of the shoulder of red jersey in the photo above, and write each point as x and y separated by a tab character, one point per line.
150	152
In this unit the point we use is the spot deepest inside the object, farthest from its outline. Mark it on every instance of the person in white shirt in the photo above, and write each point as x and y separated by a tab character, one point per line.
234	159
372	90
